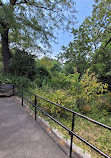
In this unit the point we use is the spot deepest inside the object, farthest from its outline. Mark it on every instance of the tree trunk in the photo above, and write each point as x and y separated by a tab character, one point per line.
6	54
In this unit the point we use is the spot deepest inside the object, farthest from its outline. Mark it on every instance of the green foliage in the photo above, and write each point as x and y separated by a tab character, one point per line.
94	32
74	85
103	104
60	97
44	62
47	70
59	80
19	81
51	64
56	67
101	65
81	94
68	68
23	64
90	90
75	57
35	29
42	75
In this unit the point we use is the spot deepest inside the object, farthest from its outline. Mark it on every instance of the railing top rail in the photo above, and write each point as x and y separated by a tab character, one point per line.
71	132
85	117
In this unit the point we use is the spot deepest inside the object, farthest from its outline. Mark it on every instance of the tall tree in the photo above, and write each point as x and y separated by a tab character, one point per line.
77	53
32	23
101	64
94	31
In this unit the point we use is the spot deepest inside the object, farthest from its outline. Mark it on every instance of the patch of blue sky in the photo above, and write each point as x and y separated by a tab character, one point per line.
84	9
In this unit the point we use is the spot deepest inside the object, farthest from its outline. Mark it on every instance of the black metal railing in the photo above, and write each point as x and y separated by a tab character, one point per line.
71	132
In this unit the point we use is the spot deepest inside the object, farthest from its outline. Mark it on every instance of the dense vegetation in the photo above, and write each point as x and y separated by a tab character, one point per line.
81	83
84	94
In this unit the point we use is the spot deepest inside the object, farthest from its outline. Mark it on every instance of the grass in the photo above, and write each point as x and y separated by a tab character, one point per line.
96	135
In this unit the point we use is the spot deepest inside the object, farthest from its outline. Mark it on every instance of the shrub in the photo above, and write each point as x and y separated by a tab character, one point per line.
42	76
90	87
60	97
23	64
104	102
90	91
19	81
59	80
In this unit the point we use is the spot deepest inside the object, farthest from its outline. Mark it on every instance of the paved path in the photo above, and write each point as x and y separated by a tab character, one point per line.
22	137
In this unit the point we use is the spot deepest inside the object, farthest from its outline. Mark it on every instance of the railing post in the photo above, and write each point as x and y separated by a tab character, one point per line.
22	97
35	107
13	90
72	135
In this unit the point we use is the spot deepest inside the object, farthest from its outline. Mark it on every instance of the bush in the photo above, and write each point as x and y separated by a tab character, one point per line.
101	65
90	91
19	81
23	64
59	80
42	76
104	102
90	87
60	97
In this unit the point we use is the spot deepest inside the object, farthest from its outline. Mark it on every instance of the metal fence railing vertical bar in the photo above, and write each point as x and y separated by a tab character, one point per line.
22	97
71	132
35	107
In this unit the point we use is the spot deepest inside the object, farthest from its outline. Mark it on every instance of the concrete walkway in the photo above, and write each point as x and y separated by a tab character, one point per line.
22	137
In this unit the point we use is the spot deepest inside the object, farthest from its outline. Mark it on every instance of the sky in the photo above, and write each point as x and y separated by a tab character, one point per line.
84	8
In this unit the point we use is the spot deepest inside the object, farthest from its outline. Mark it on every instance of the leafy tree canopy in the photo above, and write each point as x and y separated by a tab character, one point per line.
93	33
32	23
23	64
50	64
101	64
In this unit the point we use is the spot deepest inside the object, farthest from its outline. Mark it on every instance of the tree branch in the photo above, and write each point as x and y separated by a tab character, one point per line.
34	4
51	9
107	42
1	4
13	2
22	2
